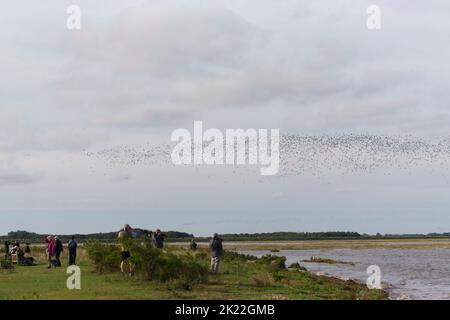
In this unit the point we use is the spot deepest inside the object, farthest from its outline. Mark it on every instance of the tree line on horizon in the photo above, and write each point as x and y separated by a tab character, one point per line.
177	236
22	235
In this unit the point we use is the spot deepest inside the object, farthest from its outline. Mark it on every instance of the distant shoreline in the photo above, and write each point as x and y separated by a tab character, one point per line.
282	245
279	237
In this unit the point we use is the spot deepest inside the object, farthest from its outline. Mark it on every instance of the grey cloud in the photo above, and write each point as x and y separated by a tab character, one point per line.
155	60
155	64
12	179
307	67
158	63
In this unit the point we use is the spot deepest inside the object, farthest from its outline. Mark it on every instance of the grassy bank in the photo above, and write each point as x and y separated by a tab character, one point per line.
240	278
327	261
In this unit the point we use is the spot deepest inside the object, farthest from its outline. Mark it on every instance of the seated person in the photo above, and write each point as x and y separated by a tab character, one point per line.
25	261
20	254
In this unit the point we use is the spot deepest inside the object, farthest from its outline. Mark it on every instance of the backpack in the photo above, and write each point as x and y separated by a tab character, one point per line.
72	245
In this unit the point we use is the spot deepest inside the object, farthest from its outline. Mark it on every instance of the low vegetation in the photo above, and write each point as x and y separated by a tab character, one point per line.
297	266
179	268
6	264
175	273
327	261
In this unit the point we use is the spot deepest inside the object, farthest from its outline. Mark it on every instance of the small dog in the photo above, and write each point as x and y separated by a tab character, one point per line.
54	263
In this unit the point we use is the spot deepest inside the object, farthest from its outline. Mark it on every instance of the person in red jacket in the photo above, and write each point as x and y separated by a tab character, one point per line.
50	250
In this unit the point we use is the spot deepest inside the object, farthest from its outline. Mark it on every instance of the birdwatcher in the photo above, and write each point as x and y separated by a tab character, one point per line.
216	252
124	236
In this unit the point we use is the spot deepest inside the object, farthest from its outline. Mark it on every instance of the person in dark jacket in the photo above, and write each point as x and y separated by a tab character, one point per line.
193	245
72	246
6	248
216	252
58	250
159	239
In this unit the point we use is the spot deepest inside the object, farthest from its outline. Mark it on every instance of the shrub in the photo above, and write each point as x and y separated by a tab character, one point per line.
233	256
297	266
179	269
184	272
106	257
277	275
201	254
6	264
327	261
273	261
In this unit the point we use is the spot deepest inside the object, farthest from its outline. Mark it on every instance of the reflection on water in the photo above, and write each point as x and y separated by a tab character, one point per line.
413	273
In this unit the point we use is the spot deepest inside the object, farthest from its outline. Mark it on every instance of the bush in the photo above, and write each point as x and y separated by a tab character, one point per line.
202	254
297	266
106	257
179	269
233	256
274	262
6	264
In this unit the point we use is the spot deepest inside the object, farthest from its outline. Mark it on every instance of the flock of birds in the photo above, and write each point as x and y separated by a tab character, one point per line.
313	154
358	153
134	155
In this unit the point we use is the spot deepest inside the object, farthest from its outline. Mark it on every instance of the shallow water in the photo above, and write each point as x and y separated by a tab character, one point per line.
406	273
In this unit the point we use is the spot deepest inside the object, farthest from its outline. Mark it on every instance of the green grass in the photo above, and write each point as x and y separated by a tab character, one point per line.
240	278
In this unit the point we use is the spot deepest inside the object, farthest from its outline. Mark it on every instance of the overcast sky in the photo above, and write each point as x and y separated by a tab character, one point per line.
137	70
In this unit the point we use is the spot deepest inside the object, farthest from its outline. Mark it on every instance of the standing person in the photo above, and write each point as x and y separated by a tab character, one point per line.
150	239
58	250
72	245
159	239
193	245
15	247
124	236
6	248
50	250
216	251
